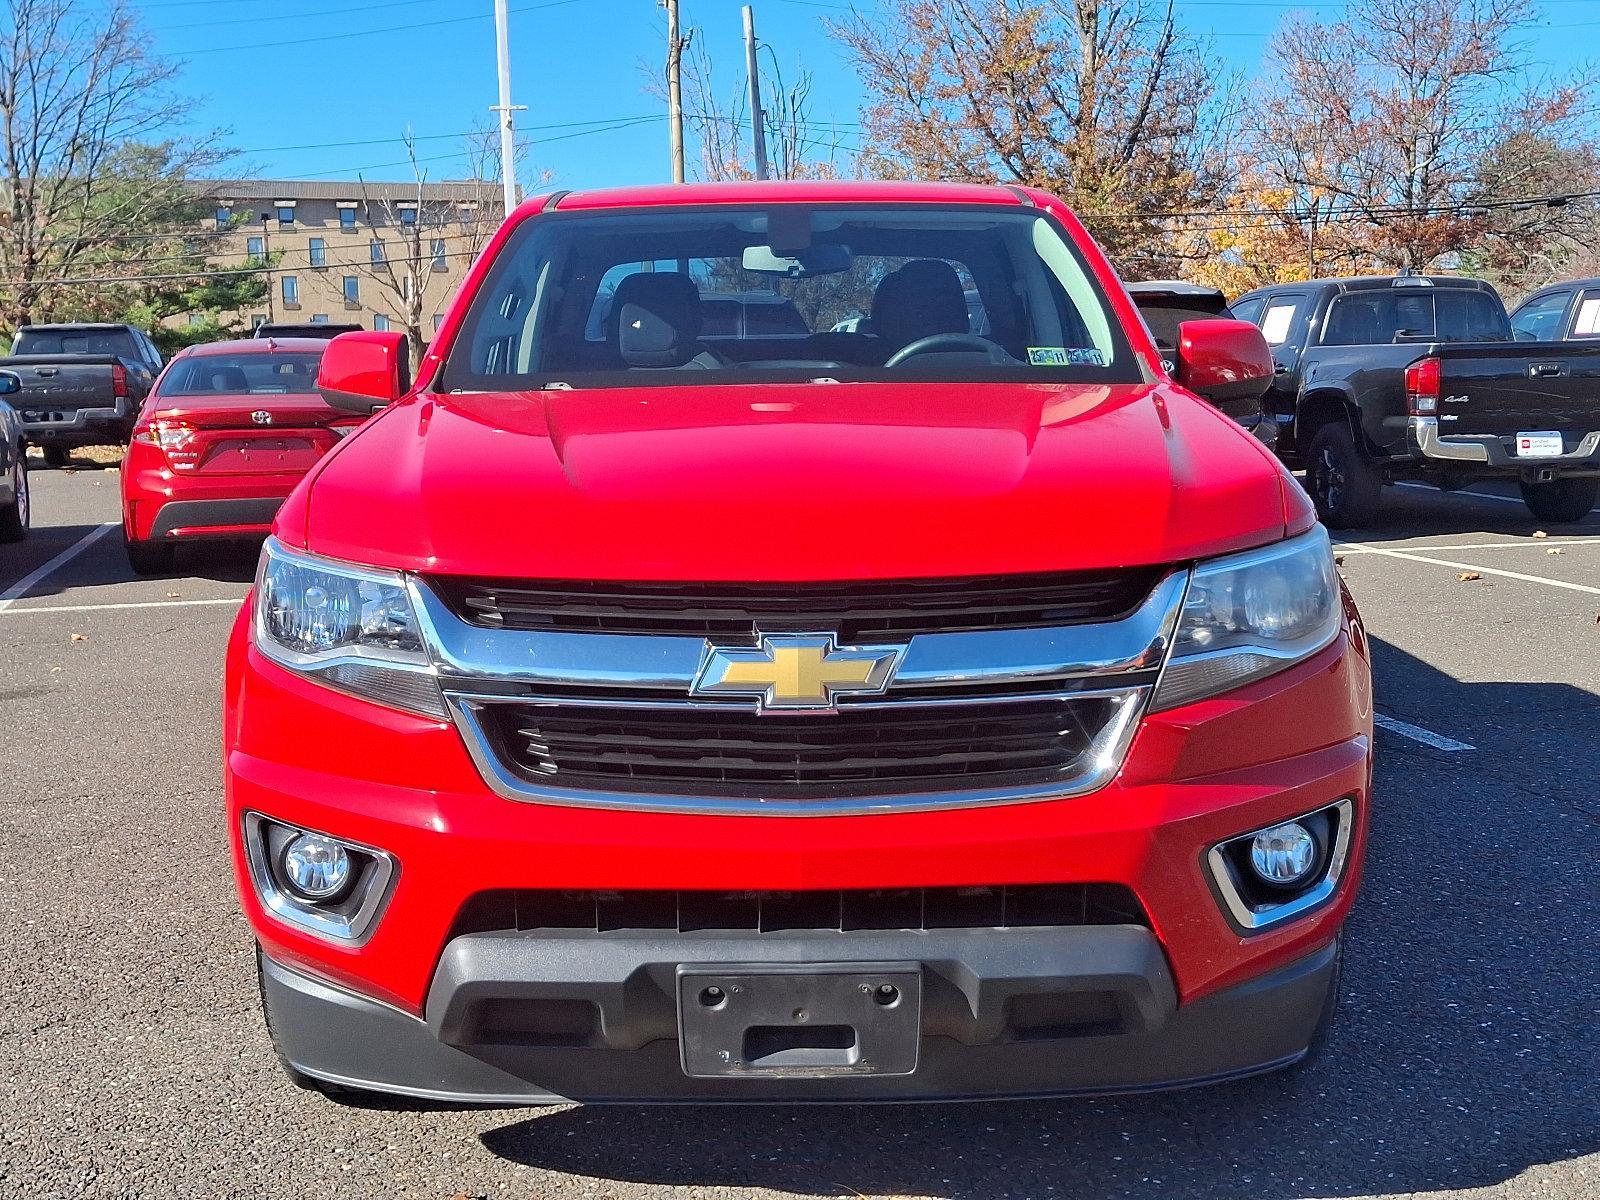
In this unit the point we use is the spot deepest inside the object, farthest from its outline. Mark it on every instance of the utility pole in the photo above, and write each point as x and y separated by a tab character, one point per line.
508	131
675	90
758	132
266	257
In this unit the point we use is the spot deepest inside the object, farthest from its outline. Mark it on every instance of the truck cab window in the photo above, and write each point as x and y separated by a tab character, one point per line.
1279	319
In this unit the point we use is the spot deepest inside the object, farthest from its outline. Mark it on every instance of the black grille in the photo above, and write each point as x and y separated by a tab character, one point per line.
988	907
856	612
723	751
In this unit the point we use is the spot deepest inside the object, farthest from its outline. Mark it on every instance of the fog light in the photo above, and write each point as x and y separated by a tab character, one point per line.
1284	854
316	867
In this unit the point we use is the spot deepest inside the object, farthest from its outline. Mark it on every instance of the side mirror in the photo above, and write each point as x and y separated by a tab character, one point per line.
364	371
10	384
1223	360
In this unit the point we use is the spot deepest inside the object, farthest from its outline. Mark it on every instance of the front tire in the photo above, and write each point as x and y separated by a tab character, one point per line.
1562	501
1344	486
17	514
151	558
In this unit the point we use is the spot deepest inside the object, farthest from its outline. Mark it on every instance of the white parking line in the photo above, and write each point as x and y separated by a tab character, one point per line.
81	608
1524	544
1482	570
20	588
1418	734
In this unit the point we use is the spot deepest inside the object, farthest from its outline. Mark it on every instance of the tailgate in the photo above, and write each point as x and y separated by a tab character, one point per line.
61	387
1514	387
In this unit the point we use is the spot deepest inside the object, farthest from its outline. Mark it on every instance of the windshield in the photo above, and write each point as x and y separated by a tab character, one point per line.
242	375
746	294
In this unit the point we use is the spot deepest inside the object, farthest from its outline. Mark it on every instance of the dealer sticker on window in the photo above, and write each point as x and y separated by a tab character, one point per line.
1063	356
1539	445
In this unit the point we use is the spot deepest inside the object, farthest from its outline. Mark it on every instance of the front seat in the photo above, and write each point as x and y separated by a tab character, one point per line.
920	299
655	322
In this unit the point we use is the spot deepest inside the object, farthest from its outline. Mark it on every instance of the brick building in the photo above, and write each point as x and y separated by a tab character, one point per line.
382	255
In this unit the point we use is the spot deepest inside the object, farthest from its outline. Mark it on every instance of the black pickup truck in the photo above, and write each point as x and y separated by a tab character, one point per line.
1418	377
82	384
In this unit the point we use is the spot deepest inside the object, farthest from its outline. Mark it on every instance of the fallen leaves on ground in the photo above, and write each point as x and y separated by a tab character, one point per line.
80	637
1468	576
1553	550
1539	533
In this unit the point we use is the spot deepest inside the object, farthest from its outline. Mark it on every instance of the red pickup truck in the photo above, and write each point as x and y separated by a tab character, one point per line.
948	703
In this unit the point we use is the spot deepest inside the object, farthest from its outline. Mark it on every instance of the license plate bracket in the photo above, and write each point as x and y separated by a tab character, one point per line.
818	1021
1540	444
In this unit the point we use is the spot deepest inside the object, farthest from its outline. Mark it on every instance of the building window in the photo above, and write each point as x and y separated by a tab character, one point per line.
319	252
291	290
352	290
196	319
408	216
257	320
224	216
438	320
347	219
285	216
380	323
254	248
438	254
319	318
377	251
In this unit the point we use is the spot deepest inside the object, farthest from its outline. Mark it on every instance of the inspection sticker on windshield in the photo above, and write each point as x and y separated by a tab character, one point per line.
1063	356
1539	445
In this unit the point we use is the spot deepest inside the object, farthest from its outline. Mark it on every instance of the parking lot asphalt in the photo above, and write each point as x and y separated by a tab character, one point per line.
1465	1060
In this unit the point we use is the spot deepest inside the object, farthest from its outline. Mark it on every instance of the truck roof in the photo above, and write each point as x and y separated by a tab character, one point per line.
58	325
1358	282
820	191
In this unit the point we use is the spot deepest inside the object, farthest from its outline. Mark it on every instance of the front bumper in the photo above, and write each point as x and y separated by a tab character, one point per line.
970	1047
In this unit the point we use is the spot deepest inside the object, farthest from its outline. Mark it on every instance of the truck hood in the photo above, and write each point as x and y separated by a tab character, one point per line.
792	482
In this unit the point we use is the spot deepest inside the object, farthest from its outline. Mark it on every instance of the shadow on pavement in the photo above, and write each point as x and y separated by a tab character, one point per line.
1463	1053
1409	512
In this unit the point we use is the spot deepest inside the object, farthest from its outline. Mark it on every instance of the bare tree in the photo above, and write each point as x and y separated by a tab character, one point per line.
717	118
435	223
85	160
1106	102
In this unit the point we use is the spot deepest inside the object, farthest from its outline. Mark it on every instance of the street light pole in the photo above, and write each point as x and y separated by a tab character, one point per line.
508	138
266	258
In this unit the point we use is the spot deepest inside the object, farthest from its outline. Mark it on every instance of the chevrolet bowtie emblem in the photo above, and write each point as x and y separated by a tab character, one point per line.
797	671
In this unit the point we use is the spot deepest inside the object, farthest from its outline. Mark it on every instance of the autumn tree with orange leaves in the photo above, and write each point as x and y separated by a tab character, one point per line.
1395	136
1109	105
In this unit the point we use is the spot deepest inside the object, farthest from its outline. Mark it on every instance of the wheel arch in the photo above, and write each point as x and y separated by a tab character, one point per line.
1323	406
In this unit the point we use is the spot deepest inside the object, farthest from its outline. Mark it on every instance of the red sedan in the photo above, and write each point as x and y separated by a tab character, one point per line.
228	430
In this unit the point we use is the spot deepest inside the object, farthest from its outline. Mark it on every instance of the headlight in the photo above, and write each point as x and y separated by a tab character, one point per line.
349	627
1250	615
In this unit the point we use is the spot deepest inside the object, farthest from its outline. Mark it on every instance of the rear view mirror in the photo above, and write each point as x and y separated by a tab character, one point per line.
823	258
10	384
1223	360
364	371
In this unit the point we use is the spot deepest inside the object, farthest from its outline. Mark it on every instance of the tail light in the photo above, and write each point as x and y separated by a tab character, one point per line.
119	382
176	440
1422	387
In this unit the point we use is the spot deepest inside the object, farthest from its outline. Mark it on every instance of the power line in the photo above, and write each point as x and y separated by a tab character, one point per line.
358	33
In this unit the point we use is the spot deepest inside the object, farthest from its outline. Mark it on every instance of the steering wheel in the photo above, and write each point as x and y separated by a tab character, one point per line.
936	342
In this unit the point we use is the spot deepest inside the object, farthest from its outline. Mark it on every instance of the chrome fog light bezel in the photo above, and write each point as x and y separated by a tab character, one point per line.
347	918
1254	918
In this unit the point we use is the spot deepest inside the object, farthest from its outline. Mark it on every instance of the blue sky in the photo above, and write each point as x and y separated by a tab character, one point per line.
286	79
